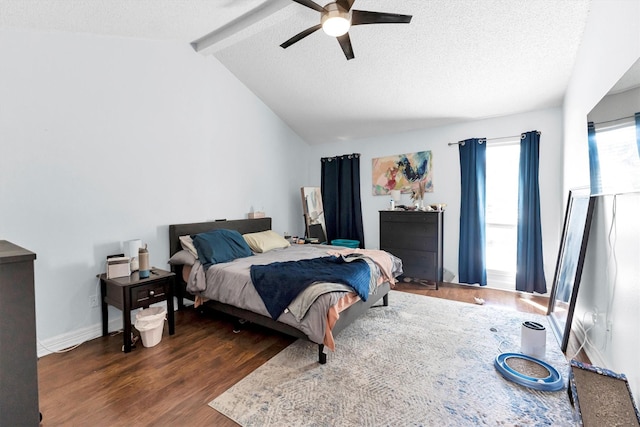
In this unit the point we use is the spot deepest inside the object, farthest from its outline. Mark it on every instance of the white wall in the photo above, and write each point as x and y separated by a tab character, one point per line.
616	106
611	44
446	174
108	139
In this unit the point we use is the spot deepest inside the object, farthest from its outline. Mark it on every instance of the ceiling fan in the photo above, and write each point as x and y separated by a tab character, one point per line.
337	17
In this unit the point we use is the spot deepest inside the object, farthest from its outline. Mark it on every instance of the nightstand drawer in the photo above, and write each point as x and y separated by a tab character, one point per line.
142	296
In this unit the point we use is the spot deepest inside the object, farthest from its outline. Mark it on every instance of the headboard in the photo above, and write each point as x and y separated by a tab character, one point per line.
243	226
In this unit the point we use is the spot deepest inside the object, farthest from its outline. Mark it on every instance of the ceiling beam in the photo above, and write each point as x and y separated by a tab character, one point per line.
213	41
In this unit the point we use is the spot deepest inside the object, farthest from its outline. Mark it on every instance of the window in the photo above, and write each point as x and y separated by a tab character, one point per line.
618	159
503	159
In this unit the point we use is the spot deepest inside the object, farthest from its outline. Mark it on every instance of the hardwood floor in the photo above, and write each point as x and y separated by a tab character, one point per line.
170	384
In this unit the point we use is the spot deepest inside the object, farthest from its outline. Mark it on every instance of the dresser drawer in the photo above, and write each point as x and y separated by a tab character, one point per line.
408	217
409	235
142	296
421	265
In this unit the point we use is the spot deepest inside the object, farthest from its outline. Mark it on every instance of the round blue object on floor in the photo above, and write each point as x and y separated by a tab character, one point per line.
552	382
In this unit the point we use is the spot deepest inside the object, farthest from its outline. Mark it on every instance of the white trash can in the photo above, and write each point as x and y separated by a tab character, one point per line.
150	323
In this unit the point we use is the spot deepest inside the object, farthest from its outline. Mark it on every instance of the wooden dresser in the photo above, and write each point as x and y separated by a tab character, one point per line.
415	238
18	350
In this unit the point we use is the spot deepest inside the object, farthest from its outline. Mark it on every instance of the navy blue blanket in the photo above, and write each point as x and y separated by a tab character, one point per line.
279	283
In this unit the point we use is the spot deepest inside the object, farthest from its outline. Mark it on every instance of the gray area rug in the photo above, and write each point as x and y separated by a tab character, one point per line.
420	361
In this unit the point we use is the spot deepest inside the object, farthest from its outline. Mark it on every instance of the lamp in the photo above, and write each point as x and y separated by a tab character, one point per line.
335	20
131	248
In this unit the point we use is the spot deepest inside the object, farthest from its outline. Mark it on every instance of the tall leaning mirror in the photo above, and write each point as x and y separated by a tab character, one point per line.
573	247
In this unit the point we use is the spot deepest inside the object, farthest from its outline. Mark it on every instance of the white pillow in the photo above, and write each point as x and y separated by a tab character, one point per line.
264	241
187	244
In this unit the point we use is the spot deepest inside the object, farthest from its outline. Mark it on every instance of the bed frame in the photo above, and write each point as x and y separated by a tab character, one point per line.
252	226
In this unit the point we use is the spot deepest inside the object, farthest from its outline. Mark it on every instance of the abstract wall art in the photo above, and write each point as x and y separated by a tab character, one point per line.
404	172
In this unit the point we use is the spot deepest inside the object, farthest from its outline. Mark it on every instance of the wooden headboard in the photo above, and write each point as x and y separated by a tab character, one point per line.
243	226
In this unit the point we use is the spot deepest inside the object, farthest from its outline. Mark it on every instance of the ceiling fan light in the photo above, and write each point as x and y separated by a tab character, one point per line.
335	20
336	26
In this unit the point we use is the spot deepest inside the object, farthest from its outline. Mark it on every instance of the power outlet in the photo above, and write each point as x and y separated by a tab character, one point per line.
93	301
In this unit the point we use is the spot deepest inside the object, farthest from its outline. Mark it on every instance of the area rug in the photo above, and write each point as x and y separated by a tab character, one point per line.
419	361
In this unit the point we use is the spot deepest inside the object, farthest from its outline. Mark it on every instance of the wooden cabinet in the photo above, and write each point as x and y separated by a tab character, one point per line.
415	238
18	349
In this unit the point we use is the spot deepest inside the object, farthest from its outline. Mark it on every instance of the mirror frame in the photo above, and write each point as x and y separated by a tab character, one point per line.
573	247
313	213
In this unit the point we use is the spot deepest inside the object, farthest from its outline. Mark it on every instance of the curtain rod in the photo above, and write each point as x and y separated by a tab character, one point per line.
495	139
614	120
344	156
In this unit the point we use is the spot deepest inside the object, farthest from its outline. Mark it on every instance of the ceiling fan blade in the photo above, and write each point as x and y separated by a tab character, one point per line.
345	4
361	17
300	36
310	5
345	44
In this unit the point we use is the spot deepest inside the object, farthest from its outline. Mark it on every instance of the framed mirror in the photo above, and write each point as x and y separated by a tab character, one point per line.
573	246
313	211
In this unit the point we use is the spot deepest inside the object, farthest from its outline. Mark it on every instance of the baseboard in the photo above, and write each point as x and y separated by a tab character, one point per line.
70	339
503	280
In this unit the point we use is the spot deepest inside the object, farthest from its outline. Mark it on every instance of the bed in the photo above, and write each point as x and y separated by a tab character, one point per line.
238	299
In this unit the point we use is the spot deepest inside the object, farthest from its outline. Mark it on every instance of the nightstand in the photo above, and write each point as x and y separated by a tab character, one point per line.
131	292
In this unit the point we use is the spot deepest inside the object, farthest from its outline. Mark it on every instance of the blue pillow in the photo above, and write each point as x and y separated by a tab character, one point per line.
219	246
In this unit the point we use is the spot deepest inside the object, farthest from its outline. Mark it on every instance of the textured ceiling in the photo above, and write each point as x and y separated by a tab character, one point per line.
458	60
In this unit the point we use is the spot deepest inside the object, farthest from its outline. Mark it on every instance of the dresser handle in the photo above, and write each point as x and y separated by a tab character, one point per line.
152	293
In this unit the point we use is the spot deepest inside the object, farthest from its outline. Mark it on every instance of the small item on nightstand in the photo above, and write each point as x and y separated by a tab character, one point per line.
117	267
143	262
131	249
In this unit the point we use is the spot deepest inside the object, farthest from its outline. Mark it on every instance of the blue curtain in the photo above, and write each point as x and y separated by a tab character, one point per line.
472	266
594	162
530	269
340	187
